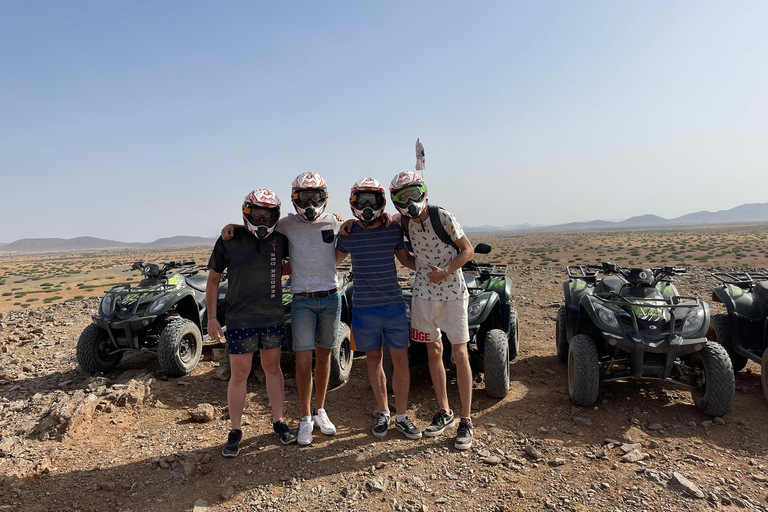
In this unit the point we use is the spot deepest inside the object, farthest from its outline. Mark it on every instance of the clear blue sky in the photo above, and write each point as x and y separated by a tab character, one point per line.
136	120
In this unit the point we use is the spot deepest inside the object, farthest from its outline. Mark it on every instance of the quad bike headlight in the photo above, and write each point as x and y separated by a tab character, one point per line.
108	304
474	310
408	311
693	322
607	317
157	305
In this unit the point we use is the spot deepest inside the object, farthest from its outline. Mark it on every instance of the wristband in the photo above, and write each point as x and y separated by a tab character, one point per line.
212	318
443	271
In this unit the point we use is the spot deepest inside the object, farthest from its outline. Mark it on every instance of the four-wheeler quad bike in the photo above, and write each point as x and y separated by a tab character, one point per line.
743	330
632	323
165	313
492	327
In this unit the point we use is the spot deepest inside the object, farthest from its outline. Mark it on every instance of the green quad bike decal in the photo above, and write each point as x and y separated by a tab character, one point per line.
493	327
622	324
165	314
743	330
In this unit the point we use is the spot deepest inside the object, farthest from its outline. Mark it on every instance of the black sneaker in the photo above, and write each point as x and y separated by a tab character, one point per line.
284	432
232	448
464	435
440	422
381	426
408	429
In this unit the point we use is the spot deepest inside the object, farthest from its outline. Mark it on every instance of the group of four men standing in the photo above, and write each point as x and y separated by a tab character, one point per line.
254	316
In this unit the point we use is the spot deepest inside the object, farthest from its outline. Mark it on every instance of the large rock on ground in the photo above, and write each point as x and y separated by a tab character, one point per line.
67	416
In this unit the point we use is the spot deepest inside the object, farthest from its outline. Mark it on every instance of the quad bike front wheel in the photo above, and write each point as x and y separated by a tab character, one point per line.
341	357
496	363
180	347
95	352
513	335
713	382
583	370
561	336
720	331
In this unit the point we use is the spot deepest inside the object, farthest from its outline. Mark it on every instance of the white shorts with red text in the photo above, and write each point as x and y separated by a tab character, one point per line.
431	317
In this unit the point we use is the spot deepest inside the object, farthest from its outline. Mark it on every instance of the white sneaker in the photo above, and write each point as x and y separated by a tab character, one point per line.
305	431
321	420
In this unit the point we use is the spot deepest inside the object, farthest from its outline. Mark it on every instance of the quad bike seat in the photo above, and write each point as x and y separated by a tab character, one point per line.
762	290
609	284
198	282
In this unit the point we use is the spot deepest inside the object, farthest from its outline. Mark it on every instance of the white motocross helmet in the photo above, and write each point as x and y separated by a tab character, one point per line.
309	195
261	211
409	194
367	199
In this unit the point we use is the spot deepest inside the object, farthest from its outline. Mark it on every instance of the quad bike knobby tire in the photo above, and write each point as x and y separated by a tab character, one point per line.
496	362
714	388
180	347
95	352
513	335
764	373
720	331
583	370
341	357
561	336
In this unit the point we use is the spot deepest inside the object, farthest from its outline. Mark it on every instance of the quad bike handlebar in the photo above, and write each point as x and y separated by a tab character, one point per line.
590	272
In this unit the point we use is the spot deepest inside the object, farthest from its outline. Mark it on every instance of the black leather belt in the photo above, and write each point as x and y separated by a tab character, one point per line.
317	295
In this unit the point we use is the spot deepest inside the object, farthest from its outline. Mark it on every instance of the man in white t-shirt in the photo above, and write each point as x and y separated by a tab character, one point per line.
440	299
316	303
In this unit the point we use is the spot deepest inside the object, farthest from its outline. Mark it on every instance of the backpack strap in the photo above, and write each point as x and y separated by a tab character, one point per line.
437	225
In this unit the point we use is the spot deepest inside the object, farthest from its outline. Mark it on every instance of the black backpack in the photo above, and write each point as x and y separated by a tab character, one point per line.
437	225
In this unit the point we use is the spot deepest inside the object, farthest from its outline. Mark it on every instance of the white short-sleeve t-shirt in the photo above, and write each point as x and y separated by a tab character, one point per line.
312	250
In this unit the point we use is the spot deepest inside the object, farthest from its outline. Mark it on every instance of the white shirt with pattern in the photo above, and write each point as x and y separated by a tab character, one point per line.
429	249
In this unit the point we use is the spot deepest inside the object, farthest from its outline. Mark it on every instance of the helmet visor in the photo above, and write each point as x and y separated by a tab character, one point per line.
307	197
409	195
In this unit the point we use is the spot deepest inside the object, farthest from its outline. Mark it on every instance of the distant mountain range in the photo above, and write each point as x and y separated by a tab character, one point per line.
90	243
746	213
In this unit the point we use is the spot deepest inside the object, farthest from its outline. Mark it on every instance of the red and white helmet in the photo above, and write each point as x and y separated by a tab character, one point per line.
309	195
409	193
367	199
261	211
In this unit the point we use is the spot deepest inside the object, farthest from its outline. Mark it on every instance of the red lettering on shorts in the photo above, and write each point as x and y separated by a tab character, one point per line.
420	336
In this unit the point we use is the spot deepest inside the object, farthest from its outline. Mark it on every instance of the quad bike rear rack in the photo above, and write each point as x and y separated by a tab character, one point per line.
742	279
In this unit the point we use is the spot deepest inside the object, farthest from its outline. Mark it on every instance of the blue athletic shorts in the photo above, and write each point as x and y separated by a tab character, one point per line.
247	341
372	325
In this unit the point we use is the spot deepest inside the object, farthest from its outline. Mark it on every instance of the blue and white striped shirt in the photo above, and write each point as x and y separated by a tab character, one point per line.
373	264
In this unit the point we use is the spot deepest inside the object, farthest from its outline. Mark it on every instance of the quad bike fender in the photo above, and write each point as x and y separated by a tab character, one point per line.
503	288
737	301
490	301
573	291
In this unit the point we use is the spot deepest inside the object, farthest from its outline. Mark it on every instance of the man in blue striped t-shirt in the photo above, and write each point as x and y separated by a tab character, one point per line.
379	309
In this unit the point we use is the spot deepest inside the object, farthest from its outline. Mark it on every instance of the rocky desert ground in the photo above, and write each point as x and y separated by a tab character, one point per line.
134	440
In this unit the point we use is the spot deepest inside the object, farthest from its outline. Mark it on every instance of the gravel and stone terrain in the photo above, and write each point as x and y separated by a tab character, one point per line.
134	440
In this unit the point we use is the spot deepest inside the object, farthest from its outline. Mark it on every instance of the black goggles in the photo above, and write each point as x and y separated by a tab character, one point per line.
259	213
310	196
367	199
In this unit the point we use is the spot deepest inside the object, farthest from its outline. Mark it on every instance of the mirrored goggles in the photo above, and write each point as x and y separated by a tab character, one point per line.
259	213
363	199
409	195
310	196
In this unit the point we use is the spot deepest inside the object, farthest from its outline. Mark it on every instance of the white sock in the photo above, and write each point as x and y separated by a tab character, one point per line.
306	418
400	417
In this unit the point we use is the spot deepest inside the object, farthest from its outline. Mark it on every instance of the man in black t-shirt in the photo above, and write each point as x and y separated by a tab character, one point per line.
254	316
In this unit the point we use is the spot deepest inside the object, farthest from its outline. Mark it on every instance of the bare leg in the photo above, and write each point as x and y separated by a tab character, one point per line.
401	378
270	362
240	364
378	379
437	372
304	380
464	377
322	374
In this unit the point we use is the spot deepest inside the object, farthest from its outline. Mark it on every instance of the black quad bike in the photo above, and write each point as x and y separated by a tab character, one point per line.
165	313
622	324
743	330
493	330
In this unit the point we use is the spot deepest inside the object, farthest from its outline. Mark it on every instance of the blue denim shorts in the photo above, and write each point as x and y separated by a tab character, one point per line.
371	325
247	341
315	322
